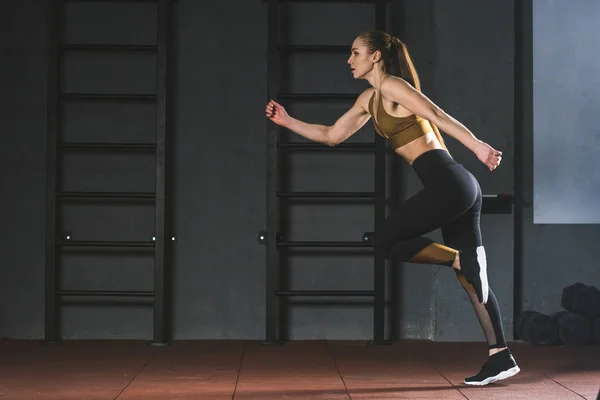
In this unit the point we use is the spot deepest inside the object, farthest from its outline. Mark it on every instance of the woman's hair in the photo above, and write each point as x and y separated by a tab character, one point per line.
396	61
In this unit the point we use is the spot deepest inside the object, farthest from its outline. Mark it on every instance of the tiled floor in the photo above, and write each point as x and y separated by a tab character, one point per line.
410	369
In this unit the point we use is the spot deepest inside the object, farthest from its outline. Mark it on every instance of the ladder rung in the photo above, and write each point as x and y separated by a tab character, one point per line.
327	1
106	195
111	47
319	96
107	146
322	147
328	195
107	293
323	244
107	96
115	1
325	293
315	48
100	243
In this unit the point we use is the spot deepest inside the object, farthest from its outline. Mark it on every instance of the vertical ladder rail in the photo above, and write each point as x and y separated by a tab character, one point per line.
379	212
272	202
52	125
160	292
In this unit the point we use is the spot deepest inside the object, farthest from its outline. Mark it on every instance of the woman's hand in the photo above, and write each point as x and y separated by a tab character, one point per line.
488	155
276	113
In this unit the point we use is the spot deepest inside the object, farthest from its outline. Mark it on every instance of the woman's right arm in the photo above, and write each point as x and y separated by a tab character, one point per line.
348	124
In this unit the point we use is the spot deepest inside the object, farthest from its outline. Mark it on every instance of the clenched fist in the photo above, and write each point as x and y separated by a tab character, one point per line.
276	113
488	155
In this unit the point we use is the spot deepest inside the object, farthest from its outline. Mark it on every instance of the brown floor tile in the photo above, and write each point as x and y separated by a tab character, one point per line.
297	371
487	393
66	393
584	387
292	396
189	370
404	391
180	385
172	390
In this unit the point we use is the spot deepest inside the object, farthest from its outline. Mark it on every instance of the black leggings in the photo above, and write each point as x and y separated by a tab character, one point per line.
451	200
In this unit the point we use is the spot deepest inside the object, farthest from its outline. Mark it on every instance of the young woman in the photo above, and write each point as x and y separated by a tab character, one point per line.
451	198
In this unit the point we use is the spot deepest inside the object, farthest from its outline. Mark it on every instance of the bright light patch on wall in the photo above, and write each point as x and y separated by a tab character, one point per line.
566	106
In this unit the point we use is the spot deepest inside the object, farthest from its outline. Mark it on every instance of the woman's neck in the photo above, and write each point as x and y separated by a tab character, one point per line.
376	78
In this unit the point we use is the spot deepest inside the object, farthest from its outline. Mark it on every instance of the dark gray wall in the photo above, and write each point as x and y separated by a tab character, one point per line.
465	58
22	156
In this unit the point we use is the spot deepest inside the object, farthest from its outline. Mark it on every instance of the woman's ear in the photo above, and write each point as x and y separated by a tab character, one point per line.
376	56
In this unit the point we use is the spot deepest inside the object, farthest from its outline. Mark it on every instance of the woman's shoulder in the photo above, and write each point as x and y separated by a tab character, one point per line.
365	98
392	81
367	93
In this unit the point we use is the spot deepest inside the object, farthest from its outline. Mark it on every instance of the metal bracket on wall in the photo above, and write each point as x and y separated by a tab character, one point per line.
262	237
497	204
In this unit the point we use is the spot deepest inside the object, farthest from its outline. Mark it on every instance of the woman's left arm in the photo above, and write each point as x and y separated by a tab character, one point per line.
400	91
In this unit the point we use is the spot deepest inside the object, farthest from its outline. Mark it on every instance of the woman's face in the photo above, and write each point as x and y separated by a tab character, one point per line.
360	61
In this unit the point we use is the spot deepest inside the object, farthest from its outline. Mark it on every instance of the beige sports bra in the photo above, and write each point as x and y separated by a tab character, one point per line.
398	130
